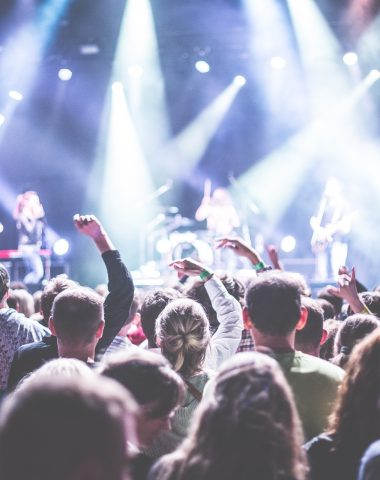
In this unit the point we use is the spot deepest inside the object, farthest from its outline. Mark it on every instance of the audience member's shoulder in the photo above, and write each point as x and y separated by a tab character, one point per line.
14	317
316	364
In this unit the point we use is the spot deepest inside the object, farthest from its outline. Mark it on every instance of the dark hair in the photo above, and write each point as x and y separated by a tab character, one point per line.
327	307
350	332
371	300
77	313
153	304
331	326
4	281
273	301
198	292
56	425
355	422
247	428
312	332
148	377
336	302
54	286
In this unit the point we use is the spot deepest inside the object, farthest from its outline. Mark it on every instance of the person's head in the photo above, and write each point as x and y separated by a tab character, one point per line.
156	387
54	286
273	304
197	291
4	284
355	422
331	326
66	429
182	332
312	335
327	307
335	301
22	301
247	427
77	318
371	300
59	368
153	304
349	333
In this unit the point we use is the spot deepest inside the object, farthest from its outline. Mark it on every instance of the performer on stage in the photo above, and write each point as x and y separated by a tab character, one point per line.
330	228
222	219
30	217
218	210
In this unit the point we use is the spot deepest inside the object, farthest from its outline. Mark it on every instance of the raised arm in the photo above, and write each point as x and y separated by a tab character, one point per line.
242	249
347	290
120	285
226	339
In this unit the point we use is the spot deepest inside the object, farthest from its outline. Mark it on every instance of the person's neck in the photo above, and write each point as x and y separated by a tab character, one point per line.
4	304
85	353
277	343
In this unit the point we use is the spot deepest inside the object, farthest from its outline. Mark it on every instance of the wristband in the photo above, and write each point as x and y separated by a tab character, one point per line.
259	266
205	275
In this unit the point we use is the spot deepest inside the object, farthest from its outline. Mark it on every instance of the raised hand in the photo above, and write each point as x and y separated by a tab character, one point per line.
347	290
189	267
240	247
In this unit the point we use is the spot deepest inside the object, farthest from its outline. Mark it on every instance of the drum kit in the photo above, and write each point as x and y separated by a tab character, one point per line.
172	236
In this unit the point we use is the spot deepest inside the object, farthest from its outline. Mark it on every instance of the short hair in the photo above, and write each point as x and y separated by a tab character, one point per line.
350	332
148	377
4	281
312	332
153	304
22	301
197	291
335	301
54	286
183	332
273	301
77	313
327	307
58	425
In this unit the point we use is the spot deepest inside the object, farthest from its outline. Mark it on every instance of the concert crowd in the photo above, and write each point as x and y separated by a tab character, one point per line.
213	377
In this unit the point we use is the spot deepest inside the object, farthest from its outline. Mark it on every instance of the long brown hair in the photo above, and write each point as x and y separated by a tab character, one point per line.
355	422
246	428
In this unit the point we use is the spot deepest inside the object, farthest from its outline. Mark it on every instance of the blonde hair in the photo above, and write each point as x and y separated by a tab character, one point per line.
247	427
182	331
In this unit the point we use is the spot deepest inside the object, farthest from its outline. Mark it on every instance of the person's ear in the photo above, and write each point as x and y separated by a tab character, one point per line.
52	326
324	337
247	319
99	331
303	318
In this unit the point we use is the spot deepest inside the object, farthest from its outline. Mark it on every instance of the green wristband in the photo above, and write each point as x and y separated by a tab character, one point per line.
259	266
205	274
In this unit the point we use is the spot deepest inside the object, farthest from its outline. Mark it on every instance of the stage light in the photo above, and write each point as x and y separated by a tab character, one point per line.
202	66
117	87
61	247
1	228
374	75
163	246
2	119
135	71
240	81
350	58
277	63
16	95
288	244
89	49
65	74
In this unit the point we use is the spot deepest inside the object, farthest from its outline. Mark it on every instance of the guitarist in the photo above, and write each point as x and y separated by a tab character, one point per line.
330	226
